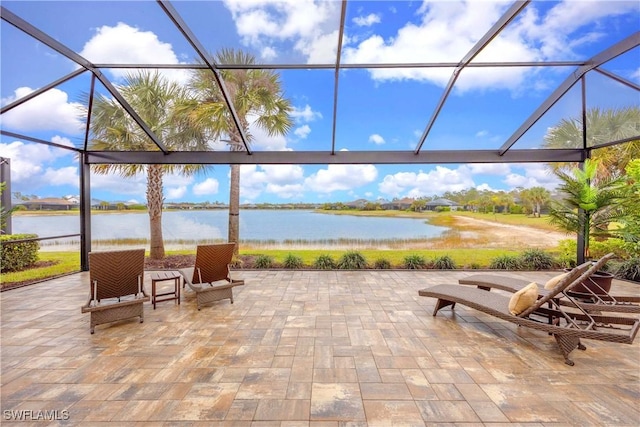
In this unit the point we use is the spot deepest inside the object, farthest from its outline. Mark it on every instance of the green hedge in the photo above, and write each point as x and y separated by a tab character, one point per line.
18	256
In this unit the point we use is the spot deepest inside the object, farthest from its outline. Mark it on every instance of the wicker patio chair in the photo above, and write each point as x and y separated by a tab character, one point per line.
116	286
568	327
591	301
209	278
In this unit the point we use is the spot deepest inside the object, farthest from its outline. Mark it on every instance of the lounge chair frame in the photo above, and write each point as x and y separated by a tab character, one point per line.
212	266
116	287
591	302
567	327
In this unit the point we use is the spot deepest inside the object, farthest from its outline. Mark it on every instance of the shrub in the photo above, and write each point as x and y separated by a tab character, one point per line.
382	264
414	262
601	248
324	262
474	266
536	259
18	256
444	262
352	260
629	270
263	261
506	262
292	261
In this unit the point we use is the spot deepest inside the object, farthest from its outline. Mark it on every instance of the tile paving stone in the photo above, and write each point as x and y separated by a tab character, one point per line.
385	413
334	401
304	348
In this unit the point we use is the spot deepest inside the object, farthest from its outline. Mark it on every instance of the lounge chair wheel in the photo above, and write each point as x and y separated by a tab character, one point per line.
581	347
569	362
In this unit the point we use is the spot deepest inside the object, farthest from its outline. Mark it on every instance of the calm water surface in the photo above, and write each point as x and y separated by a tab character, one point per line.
261	225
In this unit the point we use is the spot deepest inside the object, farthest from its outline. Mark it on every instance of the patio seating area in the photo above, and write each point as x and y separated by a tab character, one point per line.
303	348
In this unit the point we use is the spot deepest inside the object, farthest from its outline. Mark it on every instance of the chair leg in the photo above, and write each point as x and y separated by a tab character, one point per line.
567	344
442	303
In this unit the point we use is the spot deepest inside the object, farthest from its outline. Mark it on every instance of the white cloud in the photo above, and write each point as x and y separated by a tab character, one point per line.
206	187
305	114
268	53
420	184
484	187
175	185
32	165
285	181
367	21
49	111
302	132
175	193
489	168
448	30
129	45
376	139
535	175
482	133
309	26
341	177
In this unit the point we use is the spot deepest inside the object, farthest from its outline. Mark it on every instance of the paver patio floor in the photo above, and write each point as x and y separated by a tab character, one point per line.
303	348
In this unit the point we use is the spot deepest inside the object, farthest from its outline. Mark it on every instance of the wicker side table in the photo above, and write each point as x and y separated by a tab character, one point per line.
161	276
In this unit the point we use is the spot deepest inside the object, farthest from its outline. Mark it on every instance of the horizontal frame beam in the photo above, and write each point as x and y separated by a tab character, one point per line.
340	157
261	66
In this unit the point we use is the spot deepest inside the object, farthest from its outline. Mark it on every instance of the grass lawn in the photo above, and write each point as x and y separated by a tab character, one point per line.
53	264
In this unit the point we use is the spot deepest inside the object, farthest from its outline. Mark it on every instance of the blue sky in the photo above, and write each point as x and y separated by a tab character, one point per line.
378	109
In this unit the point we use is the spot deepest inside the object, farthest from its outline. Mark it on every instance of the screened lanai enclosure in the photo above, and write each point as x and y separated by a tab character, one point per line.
308	96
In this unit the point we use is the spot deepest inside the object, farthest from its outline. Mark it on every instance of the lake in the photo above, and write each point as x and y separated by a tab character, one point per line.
268	226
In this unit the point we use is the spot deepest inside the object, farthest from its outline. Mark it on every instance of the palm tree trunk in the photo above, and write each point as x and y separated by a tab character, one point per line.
154	205
234	206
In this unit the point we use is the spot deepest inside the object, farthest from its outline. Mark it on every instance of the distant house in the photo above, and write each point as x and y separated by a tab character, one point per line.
441	203
401	204
357	204
49	204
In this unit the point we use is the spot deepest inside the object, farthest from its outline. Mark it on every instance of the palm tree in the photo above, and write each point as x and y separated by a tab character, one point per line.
154	99
589	206
255	93
602	126
630	230
538	196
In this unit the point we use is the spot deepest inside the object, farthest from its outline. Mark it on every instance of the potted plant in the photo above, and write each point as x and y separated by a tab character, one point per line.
590	204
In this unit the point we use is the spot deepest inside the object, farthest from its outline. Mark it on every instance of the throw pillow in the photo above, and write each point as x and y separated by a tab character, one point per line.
553	282
523	299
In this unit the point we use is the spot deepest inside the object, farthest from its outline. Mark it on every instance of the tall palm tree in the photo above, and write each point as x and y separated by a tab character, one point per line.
257	95
154	98
589	206
602	126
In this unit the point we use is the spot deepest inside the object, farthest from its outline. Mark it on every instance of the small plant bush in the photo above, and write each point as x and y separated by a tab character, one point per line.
382	264
629	270
352	260
263	261
536	259
506	262
324	262
18	256
414	262
292	261
444	262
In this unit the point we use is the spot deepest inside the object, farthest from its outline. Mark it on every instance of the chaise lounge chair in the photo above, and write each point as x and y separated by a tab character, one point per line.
209	278
591	301
568	327
117	287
